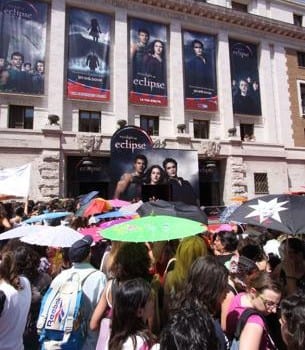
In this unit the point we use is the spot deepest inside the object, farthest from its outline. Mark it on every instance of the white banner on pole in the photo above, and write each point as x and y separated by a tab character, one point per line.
15	181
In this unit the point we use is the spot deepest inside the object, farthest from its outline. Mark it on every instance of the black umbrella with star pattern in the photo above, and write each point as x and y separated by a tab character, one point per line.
282	212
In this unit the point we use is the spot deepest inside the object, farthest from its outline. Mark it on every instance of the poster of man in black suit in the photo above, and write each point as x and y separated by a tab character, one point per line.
200	71
245	79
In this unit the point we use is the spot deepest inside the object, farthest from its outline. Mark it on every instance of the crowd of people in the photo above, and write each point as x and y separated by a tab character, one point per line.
228	289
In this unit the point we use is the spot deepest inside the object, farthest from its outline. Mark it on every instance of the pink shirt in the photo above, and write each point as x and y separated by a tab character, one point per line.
235	311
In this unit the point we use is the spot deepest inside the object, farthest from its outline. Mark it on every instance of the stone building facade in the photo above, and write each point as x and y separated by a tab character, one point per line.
235	166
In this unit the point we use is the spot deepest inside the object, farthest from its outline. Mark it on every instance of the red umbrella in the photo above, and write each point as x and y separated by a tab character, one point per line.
97	206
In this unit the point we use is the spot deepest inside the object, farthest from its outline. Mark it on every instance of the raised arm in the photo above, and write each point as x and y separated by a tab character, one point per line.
122	185
100	309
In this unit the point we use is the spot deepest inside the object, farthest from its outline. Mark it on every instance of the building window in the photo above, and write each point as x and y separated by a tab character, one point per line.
150	124
261	183
297	20
21	117
201	129
237	6
89	121
301	59
301	95
247	132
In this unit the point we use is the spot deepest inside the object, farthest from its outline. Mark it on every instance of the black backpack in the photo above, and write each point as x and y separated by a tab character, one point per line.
241	324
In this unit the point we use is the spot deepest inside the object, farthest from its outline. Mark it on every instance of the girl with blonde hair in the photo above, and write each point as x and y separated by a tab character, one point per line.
189	249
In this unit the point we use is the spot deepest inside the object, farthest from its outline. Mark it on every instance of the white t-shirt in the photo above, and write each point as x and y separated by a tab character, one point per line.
128	345
14	315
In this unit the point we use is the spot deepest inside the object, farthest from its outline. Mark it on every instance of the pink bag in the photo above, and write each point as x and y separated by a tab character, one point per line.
104	334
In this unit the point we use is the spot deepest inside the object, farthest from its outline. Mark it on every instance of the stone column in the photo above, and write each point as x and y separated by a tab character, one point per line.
235	179
56	83
281	86
50	164
224	84
267	93
120	68
175	87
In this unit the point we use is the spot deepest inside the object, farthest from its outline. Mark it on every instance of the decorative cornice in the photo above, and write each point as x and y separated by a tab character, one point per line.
228	15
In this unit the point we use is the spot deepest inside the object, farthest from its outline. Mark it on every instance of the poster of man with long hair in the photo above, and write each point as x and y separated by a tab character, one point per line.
200	83
245	78
88	62
148	63
22	46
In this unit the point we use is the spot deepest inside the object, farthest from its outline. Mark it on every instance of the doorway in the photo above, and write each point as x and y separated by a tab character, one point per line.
86	174
209	183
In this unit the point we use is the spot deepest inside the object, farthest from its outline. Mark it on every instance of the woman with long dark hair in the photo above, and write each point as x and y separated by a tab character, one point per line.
4	220
293	321
155	175
131	261
16	300
129	329
27	264
205	289
155	62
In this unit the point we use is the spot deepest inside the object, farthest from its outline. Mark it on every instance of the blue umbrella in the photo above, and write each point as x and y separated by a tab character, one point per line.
86	198
47	216
112	214
228	211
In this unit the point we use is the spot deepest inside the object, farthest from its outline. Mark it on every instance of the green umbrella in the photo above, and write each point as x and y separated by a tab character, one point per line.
152	229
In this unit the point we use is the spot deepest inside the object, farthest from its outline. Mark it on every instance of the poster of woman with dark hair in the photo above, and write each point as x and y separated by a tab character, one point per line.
148	63
245	79
23	26
88	62
200	83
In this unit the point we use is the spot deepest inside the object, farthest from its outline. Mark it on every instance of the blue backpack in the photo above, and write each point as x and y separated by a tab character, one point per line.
61	323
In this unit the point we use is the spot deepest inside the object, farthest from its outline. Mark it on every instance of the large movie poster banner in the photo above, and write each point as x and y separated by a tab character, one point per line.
200	80
22	46
148	63
88	63
245	79
138	170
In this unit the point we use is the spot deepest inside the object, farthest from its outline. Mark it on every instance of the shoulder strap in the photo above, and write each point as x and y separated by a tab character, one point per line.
91	271
2	301
243	320
71	312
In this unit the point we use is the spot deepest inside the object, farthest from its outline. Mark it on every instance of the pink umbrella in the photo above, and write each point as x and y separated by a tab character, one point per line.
117	203
110	223
92	231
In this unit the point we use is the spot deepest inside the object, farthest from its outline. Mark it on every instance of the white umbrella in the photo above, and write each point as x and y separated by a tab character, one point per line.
131	208
19	231
53	236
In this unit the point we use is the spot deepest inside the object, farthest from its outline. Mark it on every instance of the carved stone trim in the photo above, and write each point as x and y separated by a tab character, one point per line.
159	143
89	143
209	149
